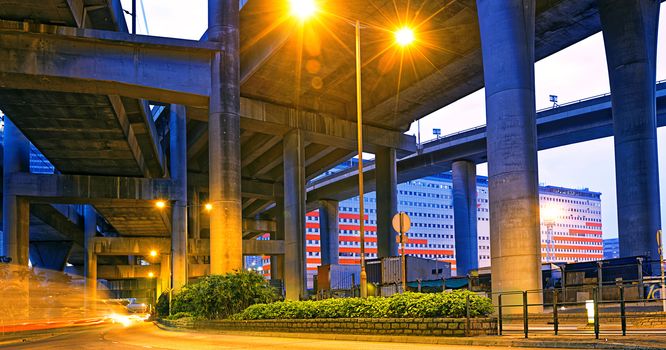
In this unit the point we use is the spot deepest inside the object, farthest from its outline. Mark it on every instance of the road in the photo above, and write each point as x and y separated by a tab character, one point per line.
148	336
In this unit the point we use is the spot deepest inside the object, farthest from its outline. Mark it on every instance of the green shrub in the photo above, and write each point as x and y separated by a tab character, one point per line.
162	306
409	304
219	296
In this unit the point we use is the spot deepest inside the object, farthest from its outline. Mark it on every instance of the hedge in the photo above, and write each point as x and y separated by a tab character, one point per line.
218	296
416	305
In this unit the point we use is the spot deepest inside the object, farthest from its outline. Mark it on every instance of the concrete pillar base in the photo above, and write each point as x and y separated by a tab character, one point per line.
465	216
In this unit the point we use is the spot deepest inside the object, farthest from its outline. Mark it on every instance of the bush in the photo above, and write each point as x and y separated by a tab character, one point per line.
162	306
219	296
397	306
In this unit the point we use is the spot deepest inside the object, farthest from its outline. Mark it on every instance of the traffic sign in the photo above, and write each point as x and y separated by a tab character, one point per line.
401	222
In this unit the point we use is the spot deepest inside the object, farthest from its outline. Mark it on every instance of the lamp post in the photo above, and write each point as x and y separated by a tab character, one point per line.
303	9
359	132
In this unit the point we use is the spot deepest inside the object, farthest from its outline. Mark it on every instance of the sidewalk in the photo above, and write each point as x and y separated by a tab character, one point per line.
633	342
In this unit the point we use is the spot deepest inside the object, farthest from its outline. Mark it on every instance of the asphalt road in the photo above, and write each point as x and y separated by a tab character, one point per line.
148	336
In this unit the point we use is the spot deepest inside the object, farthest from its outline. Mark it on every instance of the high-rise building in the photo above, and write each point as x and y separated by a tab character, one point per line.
575	230
611	248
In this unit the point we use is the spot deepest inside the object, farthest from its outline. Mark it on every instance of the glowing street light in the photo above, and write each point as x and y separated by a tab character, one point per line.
404	36
151	274
303	9
160	204
208	207
153	253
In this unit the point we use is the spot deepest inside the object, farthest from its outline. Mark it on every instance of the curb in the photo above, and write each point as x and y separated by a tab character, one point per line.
474	341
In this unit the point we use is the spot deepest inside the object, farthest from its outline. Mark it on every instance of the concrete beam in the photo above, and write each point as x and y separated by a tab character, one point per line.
118	272
195	247
249	188
128	131
103	62
54	218
57	188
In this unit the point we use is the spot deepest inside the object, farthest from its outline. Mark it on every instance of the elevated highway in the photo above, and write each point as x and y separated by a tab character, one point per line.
281	107
574	122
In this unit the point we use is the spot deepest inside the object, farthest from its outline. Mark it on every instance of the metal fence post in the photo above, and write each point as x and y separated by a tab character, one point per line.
595	292
525	324
623	316
556	322
499	314
467	326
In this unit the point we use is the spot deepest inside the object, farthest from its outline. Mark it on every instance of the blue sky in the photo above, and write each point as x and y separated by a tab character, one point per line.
574	73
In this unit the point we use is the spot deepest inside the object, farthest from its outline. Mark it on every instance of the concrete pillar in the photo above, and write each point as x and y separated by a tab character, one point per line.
16	211
464	216
507	43
294	214
630	39
277	261
90	261
178	153
328	231
194	213
165	274
386	177
226	224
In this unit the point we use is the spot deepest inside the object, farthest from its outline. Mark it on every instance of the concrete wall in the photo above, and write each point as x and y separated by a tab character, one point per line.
375	326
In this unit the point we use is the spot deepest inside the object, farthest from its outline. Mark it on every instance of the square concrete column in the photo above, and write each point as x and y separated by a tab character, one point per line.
294	214
194	214
90	261
226	222
507	43
165	274
630	39
15	210
328	231
386	177
277	261
464	216
178	169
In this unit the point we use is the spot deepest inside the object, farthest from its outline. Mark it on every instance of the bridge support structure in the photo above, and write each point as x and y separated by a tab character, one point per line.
294	214
329	231
15	210
630	38
226	235
386	177
465	216
90	259
178	149
507	44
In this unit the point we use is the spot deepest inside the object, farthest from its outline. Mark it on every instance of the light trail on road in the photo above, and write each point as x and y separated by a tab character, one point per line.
148	336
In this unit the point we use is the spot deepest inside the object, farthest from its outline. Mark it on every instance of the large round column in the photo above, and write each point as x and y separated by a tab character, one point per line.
226	223
630	39
507	42
464	216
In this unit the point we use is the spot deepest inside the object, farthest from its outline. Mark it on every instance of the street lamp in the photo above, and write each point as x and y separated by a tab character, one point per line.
549	215
160	204
404	36
303	9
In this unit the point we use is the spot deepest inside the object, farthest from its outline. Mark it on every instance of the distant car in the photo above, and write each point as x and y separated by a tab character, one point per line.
136	308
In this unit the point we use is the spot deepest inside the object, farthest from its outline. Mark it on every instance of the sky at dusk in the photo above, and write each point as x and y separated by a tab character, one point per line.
574	73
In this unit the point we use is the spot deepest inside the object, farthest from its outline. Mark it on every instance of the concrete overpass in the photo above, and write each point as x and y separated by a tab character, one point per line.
251	119
579	121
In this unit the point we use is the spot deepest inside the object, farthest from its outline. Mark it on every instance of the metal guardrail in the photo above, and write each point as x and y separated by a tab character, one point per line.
614	314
